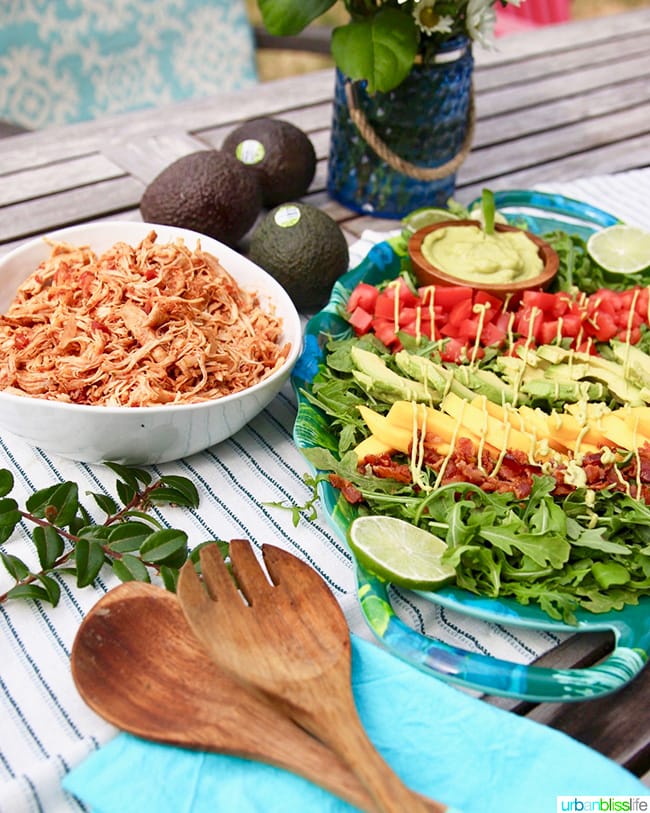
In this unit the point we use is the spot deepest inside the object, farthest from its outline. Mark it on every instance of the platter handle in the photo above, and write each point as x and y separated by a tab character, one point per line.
499	677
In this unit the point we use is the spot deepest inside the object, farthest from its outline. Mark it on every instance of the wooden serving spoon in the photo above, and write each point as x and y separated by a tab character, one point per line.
137	664
289	640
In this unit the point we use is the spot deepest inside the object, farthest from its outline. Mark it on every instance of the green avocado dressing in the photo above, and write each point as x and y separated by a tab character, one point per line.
470	254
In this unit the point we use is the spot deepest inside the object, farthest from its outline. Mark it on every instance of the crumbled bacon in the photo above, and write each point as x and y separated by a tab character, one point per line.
350	492
384	466
137	326
513	472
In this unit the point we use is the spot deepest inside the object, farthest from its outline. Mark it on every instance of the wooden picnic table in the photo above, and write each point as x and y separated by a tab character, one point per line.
554	104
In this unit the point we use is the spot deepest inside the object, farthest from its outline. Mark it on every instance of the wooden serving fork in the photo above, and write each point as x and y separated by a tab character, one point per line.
288	639
138	665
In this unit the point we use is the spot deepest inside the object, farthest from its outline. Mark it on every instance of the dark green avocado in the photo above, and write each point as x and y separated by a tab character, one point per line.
279	153
208	191
304	249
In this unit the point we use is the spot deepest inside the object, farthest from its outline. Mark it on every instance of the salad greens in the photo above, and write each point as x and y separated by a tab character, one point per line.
578	271
587	550
560	554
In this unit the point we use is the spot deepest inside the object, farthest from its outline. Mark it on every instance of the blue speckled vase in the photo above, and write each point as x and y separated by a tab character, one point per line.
423	121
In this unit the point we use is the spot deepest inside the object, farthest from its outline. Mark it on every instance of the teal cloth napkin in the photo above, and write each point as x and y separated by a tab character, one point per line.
440	740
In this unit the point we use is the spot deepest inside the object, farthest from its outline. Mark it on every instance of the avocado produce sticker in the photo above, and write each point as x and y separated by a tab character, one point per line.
250	151
287	216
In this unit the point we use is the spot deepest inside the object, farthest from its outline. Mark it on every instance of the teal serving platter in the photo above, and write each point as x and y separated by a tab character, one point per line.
541	213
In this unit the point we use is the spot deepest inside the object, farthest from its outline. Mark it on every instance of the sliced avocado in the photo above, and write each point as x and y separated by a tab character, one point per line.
485	382
444	380
610	373
624	391
563	390
566	372
377	379
434	376
636	363
556	355
515	369
530	356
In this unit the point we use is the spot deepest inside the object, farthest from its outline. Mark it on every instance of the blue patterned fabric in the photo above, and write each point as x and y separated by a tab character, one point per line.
70	60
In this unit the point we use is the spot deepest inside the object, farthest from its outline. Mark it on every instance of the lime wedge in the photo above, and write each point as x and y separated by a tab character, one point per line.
399	552
620	249
420	218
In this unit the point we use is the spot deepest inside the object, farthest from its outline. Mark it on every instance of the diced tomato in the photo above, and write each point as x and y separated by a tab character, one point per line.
548	331
385	306
642	303
454	350
627	298
603	302
541	317
461	311
588	347
492	334
468	329
496	304
631	319
529	322
449	329
360	320
540	299
393	298
575	309
571	324
363	296
407	315
602	326
503	321
563	303
447	295
385	331
632	336
418	328
406	296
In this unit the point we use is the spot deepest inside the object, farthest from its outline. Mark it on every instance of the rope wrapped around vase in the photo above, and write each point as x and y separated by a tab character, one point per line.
399	164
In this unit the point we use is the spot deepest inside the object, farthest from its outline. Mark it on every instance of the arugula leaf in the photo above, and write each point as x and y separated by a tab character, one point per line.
546	549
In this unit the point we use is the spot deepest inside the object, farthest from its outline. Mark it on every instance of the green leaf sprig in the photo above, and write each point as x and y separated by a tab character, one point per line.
489	210
130	541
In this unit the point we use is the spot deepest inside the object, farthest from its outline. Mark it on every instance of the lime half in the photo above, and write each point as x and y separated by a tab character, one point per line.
620	249
420	218
399	552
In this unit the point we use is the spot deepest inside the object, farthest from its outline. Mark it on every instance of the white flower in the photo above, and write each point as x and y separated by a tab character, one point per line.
481	18
444	25
428	20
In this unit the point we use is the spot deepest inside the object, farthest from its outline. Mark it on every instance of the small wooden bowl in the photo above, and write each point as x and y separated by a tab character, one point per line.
428	274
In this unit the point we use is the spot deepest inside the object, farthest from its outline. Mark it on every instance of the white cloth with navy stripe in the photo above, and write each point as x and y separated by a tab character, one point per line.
45	727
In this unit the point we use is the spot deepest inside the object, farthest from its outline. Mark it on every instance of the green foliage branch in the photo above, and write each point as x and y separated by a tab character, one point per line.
383	39
129	541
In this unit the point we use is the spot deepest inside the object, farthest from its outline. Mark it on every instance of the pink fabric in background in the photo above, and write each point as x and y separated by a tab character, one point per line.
531	14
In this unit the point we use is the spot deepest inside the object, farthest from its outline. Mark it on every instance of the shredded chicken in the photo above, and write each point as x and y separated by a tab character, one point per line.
154	324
